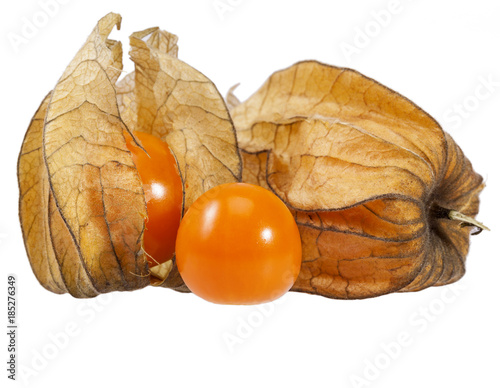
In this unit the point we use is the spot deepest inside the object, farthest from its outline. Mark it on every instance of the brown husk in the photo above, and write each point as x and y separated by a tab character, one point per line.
368	175
82	206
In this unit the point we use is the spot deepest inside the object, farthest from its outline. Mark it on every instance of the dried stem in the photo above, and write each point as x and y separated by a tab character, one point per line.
467	221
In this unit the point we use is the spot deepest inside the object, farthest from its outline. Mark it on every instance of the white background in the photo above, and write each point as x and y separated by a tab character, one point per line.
436	53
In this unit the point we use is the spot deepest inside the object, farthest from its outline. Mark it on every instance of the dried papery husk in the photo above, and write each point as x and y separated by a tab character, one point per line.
82	206
369	176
